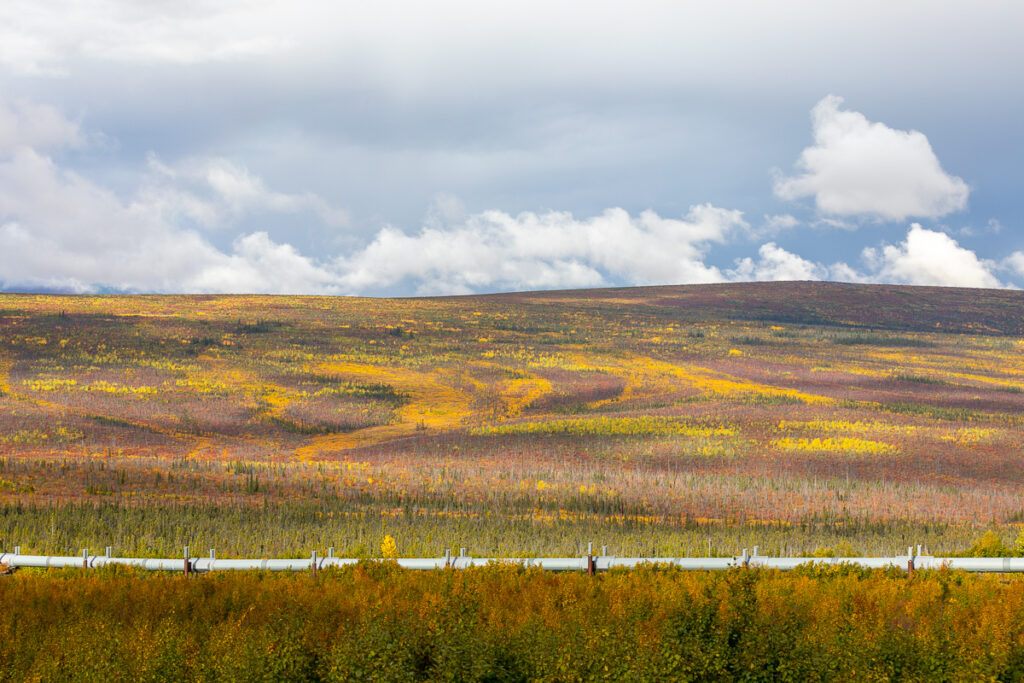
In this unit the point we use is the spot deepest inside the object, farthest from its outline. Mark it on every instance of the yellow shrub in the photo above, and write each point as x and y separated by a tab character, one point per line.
388	548
611	426
843	444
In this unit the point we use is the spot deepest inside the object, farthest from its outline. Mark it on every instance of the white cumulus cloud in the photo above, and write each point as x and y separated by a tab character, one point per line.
495	250
258	264
861	168
928	257
775	263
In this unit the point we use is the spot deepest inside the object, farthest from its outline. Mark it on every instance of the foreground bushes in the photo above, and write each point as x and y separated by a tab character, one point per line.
378	622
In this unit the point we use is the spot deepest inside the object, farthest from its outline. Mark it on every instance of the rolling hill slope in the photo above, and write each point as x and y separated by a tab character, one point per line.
794	413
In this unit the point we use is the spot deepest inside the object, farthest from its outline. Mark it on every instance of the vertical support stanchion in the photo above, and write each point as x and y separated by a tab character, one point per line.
604	551
745	558
110	551
590	559
447	557
312	564
85	558
17	550
330	553
188	563
910	561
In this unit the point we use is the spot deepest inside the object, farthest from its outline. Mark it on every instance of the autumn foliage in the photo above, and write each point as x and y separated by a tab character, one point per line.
792	415
378	622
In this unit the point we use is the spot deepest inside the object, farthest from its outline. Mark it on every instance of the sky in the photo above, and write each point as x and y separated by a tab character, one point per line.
449	147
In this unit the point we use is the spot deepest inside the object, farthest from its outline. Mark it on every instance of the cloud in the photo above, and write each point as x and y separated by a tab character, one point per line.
777	223
651	39
860	168
41	39
38	126
59	230
215	192
494	250
258	264
775	263
772	225
992	227
928	257
1015	262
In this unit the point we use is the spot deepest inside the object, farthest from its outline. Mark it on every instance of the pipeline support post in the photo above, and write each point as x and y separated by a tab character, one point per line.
590	559
188	563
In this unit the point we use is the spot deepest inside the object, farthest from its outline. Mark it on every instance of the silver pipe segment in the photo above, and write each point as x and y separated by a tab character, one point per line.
554	564
151	564
787	563
601	563
422	562
972	564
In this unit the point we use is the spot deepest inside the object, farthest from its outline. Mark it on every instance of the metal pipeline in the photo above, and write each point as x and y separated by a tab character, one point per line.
601	563
787	563
972	564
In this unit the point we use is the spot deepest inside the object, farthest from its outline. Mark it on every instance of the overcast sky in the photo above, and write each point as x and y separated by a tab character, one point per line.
395	148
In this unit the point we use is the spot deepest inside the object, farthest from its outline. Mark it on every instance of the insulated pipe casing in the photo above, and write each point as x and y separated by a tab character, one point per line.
600	563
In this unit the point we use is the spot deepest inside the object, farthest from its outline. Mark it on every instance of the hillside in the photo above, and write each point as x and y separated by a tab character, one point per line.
890	307
791	413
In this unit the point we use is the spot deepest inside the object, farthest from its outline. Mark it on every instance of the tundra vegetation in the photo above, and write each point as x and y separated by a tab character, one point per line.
805	418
